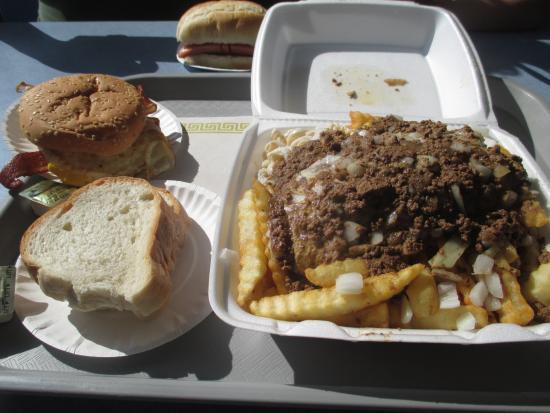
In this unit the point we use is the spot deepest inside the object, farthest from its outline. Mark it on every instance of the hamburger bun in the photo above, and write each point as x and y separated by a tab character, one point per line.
220	33
85	113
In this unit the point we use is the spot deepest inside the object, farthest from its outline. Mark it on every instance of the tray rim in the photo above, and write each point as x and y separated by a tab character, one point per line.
270	394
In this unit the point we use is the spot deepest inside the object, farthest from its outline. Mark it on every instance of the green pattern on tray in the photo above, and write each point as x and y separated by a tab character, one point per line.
215	127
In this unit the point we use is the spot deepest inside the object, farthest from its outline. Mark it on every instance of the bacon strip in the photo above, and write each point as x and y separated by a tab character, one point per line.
148	104
23	87
23	164
216	48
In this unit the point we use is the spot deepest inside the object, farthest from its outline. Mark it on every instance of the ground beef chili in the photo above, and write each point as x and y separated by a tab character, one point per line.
408	185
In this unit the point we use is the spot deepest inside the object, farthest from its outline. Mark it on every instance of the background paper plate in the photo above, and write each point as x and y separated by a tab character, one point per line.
119	333
16	140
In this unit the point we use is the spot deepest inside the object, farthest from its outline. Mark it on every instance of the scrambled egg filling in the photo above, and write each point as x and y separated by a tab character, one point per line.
149	156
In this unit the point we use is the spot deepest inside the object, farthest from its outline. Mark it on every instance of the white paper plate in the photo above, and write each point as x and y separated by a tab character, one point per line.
120	333
16	140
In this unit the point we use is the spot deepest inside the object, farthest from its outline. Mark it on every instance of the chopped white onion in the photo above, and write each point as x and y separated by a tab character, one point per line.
407	160
376	238
460	147
392	218
319	165
406	310
352	231
466	322
413	137
483	264
481	169
494	284
448	296
455	189
449	253
492	303
349	283
479	293
318	188
298	198
378	139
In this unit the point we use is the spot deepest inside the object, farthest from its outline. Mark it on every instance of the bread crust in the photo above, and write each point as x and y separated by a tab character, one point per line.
163	245
224	21
86	113
169	238
220	61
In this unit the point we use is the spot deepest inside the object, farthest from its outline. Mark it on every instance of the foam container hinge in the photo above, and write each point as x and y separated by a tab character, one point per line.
300	49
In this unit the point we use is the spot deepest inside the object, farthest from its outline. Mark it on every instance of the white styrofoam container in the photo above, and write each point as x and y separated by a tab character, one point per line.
301	47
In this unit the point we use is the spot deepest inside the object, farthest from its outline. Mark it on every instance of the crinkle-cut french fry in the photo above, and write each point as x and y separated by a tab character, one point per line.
253	260
423	295
504	151
374	316
327	302
464	287
510	253
261	197
359	119
533	214
279	281
514	308
394	307
325	275
537	286
446	318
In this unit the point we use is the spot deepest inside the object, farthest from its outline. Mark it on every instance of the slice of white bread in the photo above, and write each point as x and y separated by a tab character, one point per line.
112	244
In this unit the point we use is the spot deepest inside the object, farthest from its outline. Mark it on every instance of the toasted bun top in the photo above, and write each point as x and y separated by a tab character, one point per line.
224	21
90	113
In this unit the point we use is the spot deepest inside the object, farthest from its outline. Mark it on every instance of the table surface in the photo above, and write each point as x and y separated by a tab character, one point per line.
35	52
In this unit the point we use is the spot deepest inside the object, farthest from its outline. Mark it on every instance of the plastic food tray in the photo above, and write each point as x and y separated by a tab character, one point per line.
217	363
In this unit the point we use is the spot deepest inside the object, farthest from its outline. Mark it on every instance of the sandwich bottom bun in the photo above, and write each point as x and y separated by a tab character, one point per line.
220	61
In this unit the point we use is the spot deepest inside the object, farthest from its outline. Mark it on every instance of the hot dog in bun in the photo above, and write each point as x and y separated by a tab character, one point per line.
219	34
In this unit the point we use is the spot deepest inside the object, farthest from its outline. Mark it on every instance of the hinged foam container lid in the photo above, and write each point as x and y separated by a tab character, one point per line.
320	59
